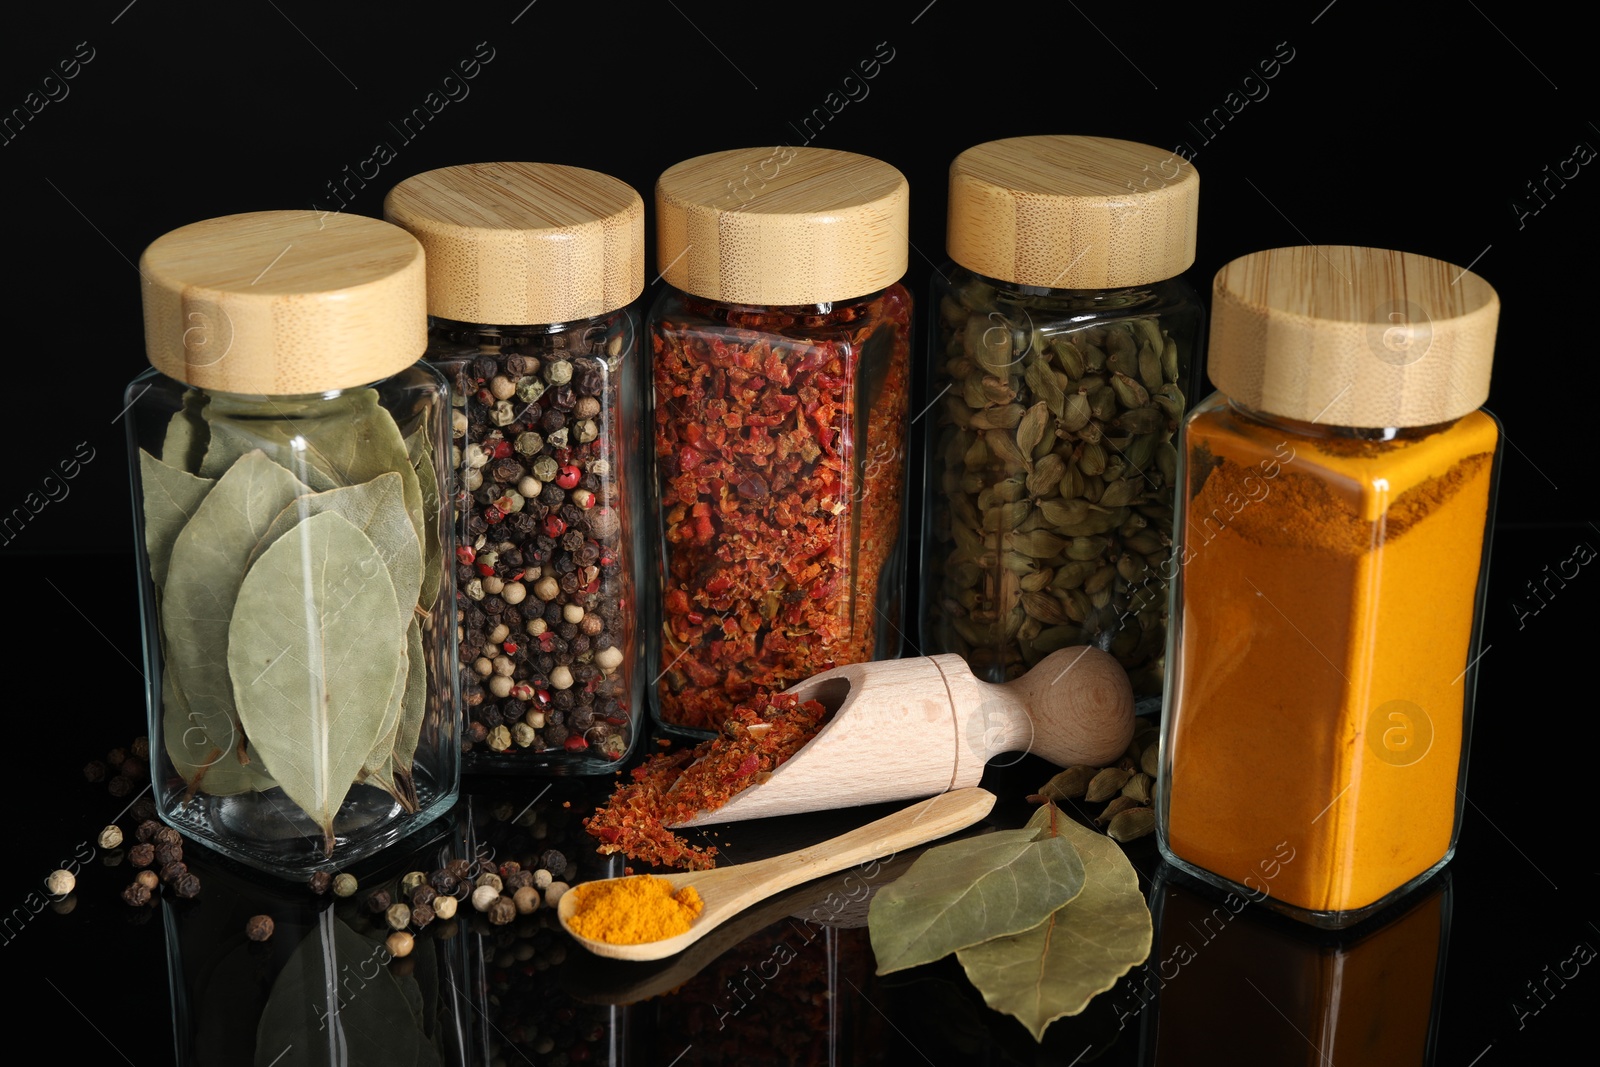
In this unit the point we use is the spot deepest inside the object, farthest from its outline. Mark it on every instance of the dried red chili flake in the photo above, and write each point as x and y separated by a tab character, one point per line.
672	787
780	445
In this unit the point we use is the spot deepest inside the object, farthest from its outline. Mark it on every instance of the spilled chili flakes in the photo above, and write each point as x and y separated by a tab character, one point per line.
672	787
780	453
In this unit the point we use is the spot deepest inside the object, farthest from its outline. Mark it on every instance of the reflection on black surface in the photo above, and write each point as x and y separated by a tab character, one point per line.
1283	993
324	989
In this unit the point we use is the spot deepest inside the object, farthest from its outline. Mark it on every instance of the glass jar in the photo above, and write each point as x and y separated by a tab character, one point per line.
548	440
288	467
1332	570
1064	354
780	364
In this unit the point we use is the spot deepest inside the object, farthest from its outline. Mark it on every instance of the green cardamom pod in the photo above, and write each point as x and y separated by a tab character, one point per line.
1121	492
998	390
1013	488
1001	418
1046	477
1030	431
1044	607
988	342
1141	420
1167	462
1130	394
1070	784
1169	398
1132	824
1039	544
1106	783
1094	358
1075	412
1003	449
1169	360
1072	575
1103	403
1032	583
1150	366
1080	548
1100	580
1069	357
1116	807
1092	461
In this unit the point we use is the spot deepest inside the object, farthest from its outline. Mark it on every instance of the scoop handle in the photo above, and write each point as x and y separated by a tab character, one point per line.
1074	707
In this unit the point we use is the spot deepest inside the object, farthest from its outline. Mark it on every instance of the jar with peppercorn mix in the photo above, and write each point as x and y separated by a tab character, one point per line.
532	271
1063	358
289	463
780	364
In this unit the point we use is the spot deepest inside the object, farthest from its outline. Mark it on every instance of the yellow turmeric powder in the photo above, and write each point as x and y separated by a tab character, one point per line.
1329	591
632	911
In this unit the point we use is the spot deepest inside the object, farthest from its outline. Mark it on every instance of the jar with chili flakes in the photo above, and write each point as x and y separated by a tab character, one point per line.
781	354
533	271
1064	354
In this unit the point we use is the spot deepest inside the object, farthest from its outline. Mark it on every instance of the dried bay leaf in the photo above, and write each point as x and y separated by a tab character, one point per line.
414	703
376	508
966	892
334	1004
326	443
432	547
204	573
311	679
184	446
171	497
1057	967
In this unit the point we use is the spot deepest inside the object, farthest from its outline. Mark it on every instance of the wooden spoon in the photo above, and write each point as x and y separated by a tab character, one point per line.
913	727
727	891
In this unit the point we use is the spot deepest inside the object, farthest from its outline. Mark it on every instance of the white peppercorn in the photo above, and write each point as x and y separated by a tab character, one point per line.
345	885
399	944
60	882
483	896
554	892
444	907
561	677
398	916
489	878
110	837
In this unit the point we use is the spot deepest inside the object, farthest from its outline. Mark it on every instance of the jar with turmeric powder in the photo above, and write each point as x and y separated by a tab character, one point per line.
1331	572
1065	348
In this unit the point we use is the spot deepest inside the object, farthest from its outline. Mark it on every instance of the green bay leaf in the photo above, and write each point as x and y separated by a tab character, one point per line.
335	1004
170	499
376	508
970	891
1080	951
313	661
204	573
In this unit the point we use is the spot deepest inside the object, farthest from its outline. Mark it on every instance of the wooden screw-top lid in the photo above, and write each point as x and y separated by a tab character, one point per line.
782	226
1346	336
1064	212
523	243
276	303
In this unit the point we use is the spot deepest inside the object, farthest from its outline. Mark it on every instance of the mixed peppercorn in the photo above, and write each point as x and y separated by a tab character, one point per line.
780	452
545	598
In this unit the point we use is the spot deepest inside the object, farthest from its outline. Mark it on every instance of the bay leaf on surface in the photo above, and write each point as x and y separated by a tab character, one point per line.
170	499
414	707
376	508
328	443
1080	951
335	1004
204	573
311	674
969	891
184	446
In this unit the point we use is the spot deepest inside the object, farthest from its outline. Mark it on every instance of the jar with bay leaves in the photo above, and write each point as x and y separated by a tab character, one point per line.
1064	352
288	470
780	357
533	270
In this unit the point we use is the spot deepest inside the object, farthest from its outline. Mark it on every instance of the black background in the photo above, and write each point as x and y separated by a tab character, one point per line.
1411	126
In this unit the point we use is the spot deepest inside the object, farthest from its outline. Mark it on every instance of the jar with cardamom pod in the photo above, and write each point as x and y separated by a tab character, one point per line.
1062	357
289	471
781	350
1334	538
533	273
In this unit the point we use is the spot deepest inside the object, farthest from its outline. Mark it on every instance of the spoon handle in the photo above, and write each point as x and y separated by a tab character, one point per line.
923	821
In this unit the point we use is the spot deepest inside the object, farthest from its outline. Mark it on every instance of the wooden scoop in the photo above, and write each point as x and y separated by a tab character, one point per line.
728	891
912	727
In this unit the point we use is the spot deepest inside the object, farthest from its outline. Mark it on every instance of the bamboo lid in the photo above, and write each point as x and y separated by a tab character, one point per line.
1064	212
523	243
282	302
1346	336
782	226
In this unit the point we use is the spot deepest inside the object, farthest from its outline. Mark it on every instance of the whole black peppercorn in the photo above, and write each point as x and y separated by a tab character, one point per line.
484	368
171	872
554	861
518	880
166	835
142	855
136	895
555	735
460	868
94	771
141	747
166	854
475	619
421	915
490	716
552	495
552	421
133	768
421	895
561	700
187	887
476	524
566	631
443	882
378	901
258	927
120	786
146	831
582	719
477	733
493	604
116	756
143	809
320	882
580	645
